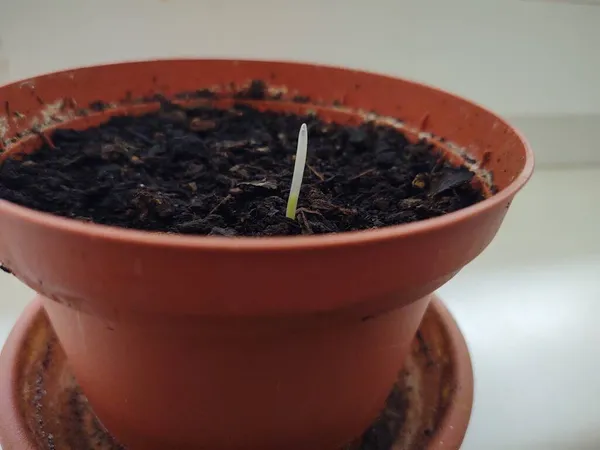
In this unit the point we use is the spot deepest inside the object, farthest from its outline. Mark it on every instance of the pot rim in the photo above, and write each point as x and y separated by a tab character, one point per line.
278	243
13	433
450	431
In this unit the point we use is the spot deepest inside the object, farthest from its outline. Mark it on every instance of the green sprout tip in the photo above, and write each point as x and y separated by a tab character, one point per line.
298	172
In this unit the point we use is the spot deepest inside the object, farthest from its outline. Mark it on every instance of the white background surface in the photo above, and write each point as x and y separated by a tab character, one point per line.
529	305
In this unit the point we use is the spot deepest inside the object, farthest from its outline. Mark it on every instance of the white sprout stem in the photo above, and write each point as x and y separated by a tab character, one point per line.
298	172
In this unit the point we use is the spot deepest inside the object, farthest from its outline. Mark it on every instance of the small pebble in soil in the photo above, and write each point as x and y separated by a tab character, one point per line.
227	172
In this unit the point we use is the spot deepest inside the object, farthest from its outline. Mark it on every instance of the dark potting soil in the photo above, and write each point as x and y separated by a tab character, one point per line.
227	172
383	433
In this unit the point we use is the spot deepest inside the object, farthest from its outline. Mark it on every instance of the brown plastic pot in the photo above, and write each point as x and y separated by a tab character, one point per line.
246	343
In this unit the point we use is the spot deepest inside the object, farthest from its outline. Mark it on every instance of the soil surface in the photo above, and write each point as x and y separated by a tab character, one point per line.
227	172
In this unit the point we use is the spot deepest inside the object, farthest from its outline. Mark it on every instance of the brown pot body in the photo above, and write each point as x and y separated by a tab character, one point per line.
245	343
37	387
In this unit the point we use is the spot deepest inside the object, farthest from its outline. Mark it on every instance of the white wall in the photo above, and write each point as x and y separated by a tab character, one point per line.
536	62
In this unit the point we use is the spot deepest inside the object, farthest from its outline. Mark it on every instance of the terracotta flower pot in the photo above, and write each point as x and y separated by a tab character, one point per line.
245	343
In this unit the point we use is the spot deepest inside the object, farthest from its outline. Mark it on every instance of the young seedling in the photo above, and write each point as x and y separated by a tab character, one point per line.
292	203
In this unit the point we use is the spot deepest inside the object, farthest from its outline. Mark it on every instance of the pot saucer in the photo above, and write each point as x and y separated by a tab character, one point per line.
43	407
